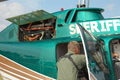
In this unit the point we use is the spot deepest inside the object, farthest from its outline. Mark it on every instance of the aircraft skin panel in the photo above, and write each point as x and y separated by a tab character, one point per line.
11	70
10	34
31	17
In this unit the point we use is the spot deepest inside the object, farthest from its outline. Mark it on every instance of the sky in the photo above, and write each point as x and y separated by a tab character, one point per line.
12	8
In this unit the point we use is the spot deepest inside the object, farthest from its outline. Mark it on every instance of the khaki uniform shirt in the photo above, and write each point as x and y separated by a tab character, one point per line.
66	69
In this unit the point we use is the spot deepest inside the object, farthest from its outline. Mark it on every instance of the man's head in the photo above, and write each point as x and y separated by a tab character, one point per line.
74	47
115	55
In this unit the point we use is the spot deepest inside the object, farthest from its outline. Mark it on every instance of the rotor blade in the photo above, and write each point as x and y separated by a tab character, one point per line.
2	0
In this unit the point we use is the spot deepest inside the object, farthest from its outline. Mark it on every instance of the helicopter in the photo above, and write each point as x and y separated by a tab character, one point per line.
31	46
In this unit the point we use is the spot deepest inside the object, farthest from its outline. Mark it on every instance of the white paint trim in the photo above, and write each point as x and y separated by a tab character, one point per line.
20	71
27	68
9	77
15	74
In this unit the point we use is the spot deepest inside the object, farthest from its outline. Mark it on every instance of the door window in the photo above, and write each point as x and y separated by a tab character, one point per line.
93	55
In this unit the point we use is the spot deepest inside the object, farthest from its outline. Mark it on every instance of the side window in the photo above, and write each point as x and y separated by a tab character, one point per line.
61	49
115	46
93	52
115	53
74	17
67	16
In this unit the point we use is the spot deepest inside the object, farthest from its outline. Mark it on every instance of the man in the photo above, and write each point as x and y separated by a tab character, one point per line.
116	60
66	69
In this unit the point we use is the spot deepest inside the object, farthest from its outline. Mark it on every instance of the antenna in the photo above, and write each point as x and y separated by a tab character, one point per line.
78	5
82	3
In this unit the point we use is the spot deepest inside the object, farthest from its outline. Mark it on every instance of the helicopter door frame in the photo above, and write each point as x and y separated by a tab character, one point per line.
84	47
90	45
84	34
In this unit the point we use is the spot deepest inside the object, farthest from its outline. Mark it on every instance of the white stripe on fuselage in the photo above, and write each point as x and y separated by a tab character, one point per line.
20	71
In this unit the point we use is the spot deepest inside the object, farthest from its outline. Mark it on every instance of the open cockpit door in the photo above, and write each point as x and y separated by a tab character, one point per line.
94	59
